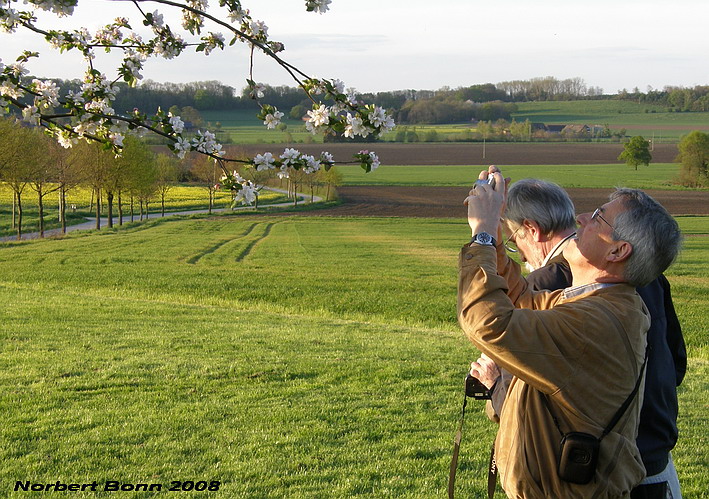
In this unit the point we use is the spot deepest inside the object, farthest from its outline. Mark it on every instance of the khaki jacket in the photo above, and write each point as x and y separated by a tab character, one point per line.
569	349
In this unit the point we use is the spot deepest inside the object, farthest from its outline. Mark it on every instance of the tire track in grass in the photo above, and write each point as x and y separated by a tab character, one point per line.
211	249
249	247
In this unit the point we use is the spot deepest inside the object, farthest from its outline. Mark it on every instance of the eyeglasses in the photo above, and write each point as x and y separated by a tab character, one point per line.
511	245
597	214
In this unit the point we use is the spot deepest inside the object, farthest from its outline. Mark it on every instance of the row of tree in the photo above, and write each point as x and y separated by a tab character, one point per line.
486	102
32	161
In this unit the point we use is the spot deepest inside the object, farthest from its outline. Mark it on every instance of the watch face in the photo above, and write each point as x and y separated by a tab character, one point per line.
483	238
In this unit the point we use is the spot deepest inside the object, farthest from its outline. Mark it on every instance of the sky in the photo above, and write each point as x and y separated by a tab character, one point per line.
382	45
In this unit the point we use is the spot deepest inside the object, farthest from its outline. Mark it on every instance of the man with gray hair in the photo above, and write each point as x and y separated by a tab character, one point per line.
540	214
576	355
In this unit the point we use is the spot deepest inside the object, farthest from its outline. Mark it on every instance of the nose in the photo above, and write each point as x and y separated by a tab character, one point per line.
582	219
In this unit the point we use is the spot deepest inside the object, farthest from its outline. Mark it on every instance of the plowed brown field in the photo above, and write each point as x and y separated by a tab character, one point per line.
442	202
398	201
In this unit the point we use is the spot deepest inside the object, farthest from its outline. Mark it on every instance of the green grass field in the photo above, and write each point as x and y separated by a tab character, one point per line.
655	176
280	357
245	128
638	119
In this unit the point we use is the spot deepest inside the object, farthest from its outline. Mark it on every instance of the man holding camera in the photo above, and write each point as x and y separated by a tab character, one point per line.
576	355
539	217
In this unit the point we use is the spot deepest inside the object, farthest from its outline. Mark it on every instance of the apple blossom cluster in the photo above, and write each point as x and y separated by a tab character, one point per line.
345	116
245	189
369	160
319	6
292	159
89	114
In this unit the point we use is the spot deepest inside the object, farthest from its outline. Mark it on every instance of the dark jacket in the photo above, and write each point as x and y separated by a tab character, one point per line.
666	363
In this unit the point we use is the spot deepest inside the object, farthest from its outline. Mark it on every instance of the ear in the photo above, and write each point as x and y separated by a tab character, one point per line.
532	228
621	251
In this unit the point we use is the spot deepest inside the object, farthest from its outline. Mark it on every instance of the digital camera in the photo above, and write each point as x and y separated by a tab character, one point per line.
475	389
490	181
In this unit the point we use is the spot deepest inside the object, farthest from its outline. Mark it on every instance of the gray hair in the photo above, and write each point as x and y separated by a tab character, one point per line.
652	232
543	202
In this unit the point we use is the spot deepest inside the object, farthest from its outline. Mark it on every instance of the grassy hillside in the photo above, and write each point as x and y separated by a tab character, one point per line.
637	118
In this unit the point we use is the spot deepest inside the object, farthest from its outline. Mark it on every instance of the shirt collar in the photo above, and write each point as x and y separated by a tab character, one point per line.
585	288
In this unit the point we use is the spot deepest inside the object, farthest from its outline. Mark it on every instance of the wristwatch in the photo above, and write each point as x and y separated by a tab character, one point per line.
483	239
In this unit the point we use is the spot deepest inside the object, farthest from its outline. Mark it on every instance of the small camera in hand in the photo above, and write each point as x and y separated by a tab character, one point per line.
490	181
475	389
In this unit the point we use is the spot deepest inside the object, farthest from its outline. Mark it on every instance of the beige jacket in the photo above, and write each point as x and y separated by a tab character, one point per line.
569	349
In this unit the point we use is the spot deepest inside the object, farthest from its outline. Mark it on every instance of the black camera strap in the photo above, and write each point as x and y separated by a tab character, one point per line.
456	451
492	469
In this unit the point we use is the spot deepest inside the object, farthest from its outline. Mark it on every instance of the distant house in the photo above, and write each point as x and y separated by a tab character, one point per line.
538	127
575	130
555	128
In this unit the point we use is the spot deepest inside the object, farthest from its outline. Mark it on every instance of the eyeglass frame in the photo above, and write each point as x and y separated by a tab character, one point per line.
507	241
597	214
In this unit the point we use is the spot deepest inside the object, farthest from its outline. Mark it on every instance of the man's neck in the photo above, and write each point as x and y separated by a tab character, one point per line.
593	275
553	246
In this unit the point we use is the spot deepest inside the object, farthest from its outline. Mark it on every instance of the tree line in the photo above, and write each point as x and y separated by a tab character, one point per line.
482	102
33	164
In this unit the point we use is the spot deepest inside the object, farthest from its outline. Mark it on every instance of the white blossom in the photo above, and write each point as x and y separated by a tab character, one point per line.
66	139
319	6
9	89
86	126
213	41
258	28
326	157
312	164
10	20
158	19
339	86
258	90
176	123
272	120
317	117
290	156
182	147
57	41
264	161
17	69
49	94
375	160
247	193
60	7
30	114
355	127
116	138
237	15
205	142
169	48
379	118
